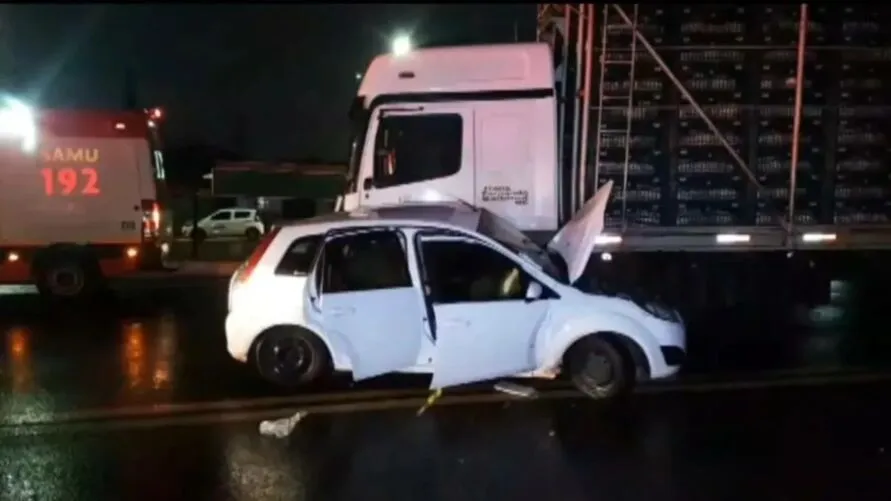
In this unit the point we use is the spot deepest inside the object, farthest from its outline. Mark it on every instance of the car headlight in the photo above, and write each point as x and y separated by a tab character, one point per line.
661	311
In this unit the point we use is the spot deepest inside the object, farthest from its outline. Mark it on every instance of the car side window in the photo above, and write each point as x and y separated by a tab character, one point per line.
242	214
364	261
462	271
297	260
414	148
221	216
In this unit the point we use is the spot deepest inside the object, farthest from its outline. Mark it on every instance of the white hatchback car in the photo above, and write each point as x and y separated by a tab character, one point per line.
446	289
232	222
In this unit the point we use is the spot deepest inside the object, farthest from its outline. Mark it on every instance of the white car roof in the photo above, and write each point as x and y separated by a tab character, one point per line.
447	215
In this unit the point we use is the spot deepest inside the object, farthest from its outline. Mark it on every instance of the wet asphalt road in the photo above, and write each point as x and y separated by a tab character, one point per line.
817	443
136	398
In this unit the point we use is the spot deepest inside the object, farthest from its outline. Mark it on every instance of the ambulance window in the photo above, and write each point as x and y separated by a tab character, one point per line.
414	148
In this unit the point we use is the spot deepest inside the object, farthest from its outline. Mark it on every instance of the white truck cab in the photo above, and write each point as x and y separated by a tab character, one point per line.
474	123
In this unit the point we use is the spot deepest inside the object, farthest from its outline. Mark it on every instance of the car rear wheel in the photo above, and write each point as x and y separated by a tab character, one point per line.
600	368
252	234
291	356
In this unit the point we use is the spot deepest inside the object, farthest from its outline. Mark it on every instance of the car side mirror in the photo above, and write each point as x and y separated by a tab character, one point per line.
368	183
534	291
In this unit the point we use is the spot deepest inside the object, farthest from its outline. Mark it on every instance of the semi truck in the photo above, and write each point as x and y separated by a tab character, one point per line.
746	144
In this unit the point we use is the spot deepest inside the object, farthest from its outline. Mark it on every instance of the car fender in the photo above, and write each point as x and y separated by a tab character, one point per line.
569	329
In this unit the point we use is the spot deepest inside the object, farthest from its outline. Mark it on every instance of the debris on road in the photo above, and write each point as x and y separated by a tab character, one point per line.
281	428
434	396
516	390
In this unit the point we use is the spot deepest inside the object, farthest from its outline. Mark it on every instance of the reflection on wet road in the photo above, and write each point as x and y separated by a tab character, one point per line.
144	403
166	345
818	443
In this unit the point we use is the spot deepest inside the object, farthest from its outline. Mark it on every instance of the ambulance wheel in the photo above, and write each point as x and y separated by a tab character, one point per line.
600	368
291	356
68	276
252	234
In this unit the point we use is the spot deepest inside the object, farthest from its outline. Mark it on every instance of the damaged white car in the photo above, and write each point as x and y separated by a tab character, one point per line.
445	289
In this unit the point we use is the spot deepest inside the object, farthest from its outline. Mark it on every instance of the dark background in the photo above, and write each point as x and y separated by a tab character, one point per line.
269	81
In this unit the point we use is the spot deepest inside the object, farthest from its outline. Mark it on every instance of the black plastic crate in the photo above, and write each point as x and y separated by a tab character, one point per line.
710	24
864	25
650	22
778	77
863	77
778	24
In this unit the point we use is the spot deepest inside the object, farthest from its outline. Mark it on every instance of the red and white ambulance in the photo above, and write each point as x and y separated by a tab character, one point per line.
79	197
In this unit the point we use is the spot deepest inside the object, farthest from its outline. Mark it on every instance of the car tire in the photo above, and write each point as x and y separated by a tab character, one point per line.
68	275
199	235
291	356
600	368
252	234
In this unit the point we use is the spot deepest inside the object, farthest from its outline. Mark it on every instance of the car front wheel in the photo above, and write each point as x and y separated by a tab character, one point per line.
599	368
291	356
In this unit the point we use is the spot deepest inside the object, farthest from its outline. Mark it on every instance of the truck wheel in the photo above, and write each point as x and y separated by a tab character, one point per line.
291	356
68	276
599	368
252	234
199	235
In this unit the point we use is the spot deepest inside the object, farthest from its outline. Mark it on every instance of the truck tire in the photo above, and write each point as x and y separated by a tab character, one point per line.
199	235
291	356
68	275
252	234
600	368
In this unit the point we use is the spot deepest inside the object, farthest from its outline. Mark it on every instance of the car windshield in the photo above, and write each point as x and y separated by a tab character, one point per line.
505	233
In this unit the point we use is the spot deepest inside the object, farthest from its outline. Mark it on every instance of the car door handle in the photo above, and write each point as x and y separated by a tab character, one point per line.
342	311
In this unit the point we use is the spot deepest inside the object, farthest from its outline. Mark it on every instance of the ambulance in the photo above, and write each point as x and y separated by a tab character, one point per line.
79	197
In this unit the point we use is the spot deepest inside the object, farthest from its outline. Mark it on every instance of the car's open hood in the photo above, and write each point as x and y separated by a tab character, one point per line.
575	241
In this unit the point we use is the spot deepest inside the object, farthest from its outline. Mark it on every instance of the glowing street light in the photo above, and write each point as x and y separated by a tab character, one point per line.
401	45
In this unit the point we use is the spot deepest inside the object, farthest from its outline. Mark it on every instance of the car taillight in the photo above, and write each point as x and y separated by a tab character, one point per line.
151	219
247	268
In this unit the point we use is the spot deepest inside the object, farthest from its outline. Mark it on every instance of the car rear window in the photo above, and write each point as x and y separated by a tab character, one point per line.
298	259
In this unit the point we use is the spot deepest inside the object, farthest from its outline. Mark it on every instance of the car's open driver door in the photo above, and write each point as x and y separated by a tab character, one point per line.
375	319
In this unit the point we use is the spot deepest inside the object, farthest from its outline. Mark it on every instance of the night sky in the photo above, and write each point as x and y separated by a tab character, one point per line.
285	73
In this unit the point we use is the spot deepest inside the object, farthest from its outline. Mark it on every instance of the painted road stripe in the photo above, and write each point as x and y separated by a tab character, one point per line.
391	403
229	405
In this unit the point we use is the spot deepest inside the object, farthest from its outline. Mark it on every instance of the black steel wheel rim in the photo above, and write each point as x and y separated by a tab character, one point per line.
288	357
599	370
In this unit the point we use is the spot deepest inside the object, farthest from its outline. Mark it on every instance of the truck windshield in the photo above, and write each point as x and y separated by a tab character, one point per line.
501	230
358	129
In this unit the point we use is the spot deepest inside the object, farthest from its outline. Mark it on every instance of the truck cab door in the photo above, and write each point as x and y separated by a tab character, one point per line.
415	150
365	300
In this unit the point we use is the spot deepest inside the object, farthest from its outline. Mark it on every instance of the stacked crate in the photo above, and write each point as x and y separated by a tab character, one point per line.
775	114
642	189
861	184
710	187
739	63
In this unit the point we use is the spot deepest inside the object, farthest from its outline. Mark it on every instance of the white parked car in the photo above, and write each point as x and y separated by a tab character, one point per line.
445	289
233	222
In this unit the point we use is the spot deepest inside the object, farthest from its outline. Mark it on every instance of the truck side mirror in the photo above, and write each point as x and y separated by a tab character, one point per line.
367	183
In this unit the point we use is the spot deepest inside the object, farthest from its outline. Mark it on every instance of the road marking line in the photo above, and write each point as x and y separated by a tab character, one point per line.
167	409
241	415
